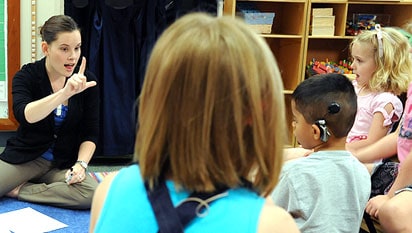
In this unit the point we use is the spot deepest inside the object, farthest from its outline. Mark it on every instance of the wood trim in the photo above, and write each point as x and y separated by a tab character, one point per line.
13	58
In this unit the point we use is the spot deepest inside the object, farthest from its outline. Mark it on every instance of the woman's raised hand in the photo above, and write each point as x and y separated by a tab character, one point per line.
78	82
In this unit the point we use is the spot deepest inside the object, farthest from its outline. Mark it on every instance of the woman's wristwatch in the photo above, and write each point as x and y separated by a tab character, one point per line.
82	163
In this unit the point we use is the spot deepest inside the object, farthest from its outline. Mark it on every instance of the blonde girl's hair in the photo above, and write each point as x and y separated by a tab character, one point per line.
211	110
394	67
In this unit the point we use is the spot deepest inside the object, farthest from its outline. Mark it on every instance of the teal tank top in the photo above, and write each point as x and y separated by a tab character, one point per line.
127	208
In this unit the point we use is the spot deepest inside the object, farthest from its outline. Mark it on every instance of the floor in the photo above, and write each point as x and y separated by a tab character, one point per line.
106	164
104	168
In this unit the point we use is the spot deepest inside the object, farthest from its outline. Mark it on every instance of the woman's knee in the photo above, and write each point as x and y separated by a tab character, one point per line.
85	193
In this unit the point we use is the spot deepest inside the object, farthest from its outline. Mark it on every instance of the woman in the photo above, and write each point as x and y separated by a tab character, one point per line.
57	107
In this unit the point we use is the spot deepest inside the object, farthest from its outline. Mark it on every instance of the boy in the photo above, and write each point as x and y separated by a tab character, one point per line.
326	191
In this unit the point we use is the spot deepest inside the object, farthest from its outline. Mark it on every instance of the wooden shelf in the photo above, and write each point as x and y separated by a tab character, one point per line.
293	45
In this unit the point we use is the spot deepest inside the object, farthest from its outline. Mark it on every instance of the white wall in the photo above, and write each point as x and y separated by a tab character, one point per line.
44	9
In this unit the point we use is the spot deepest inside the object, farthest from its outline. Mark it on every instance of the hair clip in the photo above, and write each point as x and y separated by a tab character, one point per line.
379	36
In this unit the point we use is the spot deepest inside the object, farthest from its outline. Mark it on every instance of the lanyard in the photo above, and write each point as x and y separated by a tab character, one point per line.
173	220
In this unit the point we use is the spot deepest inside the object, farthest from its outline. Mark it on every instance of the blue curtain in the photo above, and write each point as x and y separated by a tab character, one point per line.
117	37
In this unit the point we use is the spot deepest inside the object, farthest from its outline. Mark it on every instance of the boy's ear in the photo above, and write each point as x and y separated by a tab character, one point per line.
316	132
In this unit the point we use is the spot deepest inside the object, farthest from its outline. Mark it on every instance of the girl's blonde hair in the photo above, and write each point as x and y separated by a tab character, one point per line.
394	67
211	111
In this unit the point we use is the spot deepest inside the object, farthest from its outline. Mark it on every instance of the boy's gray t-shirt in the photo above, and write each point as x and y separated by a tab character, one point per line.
326	191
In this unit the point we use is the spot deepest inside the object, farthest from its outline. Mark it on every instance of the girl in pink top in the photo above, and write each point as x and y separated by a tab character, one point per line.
393	208
381	63
372	106
382	66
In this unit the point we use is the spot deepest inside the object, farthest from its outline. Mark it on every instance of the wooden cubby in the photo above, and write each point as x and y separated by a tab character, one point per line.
287	42
293	45
335	48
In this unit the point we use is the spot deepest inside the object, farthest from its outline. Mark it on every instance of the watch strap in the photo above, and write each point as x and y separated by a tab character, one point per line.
82	163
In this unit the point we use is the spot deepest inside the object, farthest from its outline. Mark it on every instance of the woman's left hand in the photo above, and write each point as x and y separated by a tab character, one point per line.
76	174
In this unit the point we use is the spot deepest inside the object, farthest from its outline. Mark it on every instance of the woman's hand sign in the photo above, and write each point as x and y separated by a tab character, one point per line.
78	82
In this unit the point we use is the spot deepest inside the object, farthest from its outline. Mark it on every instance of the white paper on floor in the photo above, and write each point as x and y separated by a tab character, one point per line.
28	220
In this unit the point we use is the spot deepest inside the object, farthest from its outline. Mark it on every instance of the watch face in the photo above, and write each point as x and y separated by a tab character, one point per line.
83	164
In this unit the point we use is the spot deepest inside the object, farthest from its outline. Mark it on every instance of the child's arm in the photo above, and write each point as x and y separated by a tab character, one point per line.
273	217
383	148
99	199
377	131
294	153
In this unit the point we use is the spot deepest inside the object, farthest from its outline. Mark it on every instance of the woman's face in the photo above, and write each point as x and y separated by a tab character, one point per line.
363	64
62	54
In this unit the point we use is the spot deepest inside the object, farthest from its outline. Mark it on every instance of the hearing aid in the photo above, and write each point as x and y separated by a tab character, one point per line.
333	108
